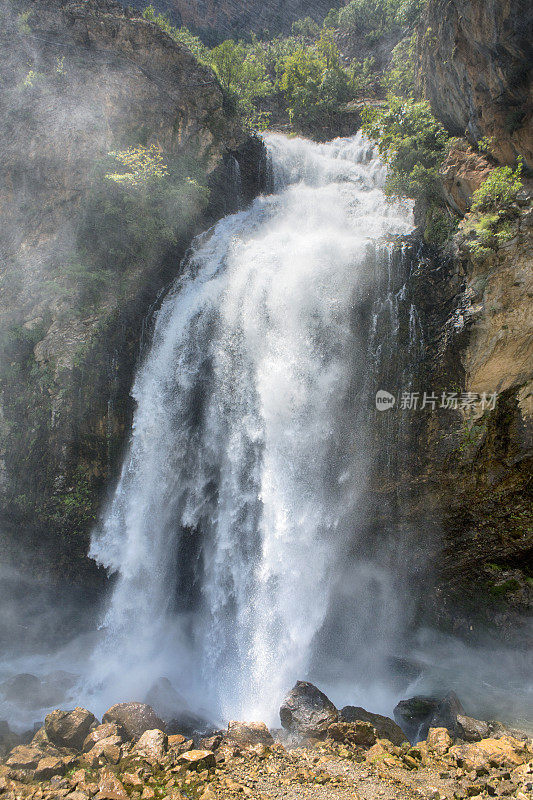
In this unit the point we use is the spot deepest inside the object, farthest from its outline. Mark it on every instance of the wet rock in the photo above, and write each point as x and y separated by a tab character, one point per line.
472	730
69	728
418	714
165	700
152	745
48	767
249	733
385	727
439	741
103	731
307	712
354	733
105	751
135	718
29	691
197	759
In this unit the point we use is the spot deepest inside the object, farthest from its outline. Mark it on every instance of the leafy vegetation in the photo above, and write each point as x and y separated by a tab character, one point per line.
413	144
490	223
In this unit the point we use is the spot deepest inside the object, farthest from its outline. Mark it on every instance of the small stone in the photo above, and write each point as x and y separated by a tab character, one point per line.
101	732
106	750
110	788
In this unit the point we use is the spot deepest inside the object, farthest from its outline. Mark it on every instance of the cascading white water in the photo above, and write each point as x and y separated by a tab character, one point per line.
238	503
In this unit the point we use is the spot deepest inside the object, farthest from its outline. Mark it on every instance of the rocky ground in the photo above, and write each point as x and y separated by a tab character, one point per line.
320	753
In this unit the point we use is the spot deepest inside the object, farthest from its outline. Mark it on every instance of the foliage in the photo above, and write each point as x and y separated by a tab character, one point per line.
413	144
181	35
142	164
243	75
134	217
400	78
364	80
306	27
499	190
23	24
440	225
376	18
490	223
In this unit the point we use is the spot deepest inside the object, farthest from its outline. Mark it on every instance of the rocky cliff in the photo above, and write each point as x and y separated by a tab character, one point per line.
473	466
83	258
474	65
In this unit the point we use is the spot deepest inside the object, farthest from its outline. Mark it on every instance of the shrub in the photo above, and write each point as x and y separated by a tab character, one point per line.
499	190
413	144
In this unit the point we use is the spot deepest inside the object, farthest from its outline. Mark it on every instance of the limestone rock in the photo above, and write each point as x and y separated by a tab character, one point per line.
24	757
248	733
69	728
48	767
439	740
152	745
105	750
307	712
110	788
103	731
385	727
198	759
472	730
135	718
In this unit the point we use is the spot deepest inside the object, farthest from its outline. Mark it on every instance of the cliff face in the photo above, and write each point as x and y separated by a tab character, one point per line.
83	260
220	19
472	466
474	65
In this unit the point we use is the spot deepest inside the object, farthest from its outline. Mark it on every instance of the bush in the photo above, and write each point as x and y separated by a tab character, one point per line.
413	144
499	190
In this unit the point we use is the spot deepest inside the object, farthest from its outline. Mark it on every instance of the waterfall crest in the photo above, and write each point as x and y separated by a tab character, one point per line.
238	503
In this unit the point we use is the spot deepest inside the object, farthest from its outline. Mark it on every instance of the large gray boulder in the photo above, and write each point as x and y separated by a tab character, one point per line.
135	718
307	712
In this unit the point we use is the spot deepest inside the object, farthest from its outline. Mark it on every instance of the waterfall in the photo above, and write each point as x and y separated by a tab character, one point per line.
236	532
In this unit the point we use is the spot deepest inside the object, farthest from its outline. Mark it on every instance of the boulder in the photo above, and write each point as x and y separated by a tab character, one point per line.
439	741
197	759
248	733
307	712
48	767
418	714
24	757
165	700
105	750
135	718
385	727
152	745
472	730
102	732
358	733
69	728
